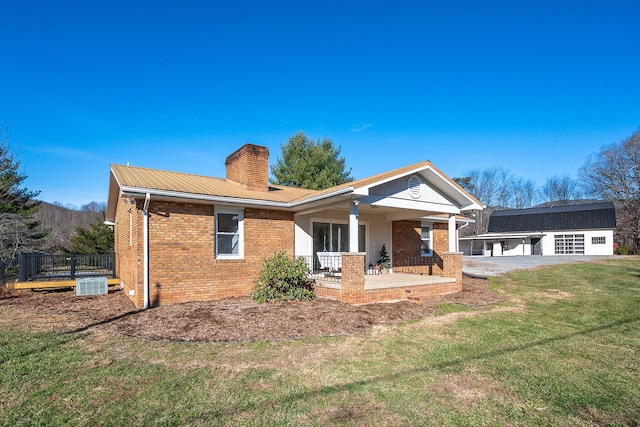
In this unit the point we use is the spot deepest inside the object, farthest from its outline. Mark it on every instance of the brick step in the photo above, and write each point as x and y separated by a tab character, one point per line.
423	297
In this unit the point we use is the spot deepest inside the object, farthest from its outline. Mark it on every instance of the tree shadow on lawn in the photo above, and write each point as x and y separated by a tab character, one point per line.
66	337
328	390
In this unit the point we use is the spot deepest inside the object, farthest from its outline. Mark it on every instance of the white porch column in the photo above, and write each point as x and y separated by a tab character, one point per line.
452	233
353	227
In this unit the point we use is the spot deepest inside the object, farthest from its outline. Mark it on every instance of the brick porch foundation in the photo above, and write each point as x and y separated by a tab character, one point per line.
355	291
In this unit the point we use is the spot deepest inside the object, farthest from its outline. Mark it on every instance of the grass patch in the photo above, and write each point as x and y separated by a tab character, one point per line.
450	307
564	349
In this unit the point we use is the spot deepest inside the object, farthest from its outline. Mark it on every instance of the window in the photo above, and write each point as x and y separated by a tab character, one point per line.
426	236
569	244
334	237
599	240
362	238
229	234
340	237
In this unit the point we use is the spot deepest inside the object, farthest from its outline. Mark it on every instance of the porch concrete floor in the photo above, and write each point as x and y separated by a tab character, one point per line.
394	280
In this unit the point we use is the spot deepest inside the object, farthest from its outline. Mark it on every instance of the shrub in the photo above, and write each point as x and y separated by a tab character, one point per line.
283	278
384	261
622	250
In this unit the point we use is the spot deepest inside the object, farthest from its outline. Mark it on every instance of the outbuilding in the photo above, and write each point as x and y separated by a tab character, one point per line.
585	229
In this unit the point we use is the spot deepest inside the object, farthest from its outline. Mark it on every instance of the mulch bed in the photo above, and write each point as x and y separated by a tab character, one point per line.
229	320
474	293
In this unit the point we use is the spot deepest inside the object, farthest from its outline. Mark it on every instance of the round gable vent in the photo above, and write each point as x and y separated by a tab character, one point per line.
415	186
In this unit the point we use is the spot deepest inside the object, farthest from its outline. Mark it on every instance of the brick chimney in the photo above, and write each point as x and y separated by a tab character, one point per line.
249	166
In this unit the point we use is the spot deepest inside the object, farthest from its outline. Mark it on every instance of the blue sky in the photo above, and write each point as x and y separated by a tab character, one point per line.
533	86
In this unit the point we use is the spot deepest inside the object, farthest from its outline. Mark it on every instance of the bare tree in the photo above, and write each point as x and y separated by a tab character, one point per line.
493	187
525	193
614	174
560	190
497	188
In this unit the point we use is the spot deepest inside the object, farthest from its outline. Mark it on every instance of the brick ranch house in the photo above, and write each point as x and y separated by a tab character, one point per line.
182	237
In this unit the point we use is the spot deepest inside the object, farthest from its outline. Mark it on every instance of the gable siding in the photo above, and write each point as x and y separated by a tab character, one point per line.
398	189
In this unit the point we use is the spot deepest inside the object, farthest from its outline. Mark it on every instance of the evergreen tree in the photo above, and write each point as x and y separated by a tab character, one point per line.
96	239
19	230
308	164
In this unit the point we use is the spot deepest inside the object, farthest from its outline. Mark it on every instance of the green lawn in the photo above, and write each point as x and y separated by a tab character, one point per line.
562	350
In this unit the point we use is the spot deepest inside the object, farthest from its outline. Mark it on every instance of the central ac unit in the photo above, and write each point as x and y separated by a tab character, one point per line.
92	286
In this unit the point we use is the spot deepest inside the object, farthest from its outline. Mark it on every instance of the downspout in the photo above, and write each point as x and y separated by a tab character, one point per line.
145	256
458	237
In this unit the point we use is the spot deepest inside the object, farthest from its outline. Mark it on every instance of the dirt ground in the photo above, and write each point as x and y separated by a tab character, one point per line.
229	320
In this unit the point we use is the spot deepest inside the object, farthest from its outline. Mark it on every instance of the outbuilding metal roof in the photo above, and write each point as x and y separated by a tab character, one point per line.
572	217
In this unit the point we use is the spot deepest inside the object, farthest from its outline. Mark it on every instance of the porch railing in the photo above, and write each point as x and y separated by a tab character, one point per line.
414	265
37	266
8	270
324	267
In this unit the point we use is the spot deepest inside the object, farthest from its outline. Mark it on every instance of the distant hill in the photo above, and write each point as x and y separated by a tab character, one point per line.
62	222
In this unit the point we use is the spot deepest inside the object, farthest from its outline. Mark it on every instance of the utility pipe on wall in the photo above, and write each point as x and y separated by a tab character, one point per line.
458	238
145	231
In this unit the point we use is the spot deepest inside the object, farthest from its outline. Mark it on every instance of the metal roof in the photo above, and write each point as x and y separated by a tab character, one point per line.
555	218
130	177
137	181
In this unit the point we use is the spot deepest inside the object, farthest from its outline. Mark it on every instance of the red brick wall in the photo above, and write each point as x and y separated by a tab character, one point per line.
182	263
440	238
183	266
129	267
353	278
419	293
453	265
249	165
405	238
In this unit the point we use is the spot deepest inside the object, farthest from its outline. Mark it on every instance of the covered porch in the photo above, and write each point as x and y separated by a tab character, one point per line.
392	239
353	286
392	236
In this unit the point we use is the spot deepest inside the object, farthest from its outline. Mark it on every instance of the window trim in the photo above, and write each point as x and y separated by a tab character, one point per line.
332	221
229	211
598	240
429	225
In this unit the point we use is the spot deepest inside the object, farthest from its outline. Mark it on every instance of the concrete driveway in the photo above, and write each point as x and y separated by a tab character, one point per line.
493	266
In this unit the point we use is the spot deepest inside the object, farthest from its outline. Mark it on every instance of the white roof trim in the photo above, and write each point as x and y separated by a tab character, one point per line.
497	236
141	192
441	219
